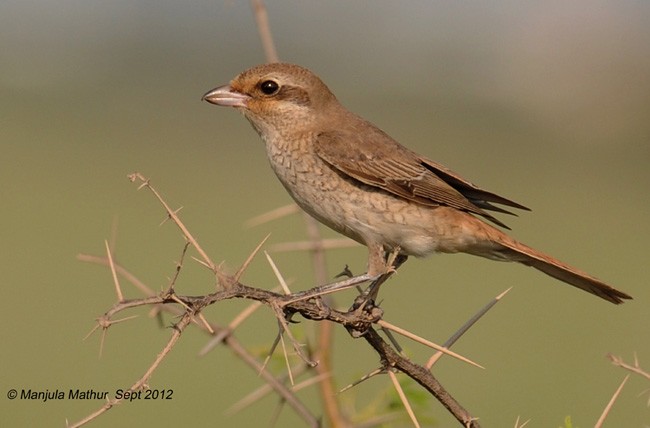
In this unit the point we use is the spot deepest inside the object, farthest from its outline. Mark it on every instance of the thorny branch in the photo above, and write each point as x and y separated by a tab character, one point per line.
310	304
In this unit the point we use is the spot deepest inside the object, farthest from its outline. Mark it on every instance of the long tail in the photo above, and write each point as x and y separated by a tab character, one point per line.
516	251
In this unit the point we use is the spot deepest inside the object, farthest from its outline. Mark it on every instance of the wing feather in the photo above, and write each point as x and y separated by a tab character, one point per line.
399	171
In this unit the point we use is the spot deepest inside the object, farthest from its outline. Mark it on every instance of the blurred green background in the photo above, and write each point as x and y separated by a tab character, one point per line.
547	103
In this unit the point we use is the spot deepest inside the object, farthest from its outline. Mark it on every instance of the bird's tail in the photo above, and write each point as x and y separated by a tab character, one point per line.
511	250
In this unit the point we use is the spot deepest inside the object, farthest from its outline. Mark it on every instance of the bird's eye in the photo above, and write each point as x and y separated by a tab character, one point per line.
269	87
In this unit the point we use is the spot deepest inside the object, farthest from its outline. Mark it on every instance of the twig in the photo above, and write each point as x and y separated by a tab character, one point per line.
635	368
364	378
136	176
142	382
403	398
277	386
262	391
391	358
324	244
323	352
240	318
274	214
262	19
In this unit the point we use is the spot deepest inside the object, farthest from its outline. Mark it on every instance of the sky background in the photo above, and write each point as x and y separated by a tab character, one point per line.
546	103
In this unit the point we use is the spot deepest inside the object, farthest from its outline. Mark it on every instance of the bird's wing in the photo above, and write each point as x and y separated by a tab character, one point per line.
389	166
475	194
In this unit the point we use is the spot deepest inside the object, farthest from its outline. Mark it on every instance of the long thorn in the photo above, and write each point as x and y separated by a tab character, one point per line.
426	342
116	282
250	258
609	406
463	329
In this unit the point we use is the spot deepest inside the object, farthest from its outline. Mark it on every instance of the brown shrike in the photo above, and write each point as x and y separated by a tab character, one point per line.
354	178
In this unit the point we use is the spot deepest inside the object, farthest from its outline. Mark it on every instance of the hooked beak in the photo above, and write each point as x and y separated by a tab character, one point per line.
226	97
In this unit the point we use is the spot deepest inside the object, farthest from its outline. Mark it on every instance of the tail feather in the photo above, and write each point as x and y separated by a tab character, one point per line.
515	251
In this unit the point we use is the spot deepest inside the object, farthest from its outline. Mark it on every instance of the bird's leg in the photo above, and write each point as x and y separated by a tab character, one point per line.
381	265
377	261
364	305
392	261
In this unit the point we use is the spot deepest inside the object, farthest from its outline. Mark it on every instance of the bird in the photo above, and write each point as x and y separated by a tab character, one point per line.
354	178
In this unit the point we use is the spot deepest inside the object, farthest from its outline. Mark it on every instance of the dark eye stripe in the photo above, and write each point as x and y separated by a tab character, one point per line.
294	94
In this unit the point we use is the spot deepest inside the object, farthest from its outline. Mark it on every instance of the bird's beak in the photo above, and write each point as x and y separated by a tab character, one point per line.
225	96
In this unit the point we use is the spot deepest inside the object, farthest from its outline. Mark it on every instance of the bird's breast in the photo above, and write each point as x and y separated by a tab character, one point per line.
359	211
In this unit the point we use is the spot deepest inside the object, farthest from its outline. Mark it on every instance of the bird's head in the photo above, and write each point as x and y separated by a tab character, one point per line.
276	97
